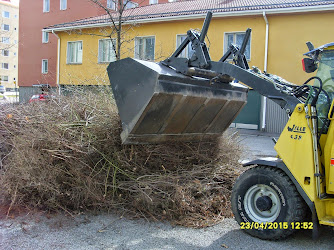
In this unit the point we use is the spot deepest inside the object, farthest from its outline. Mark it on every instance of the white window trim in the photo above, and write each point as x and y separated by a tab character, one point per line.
98	54
44	36
60	5
47	68
44	6
2	79
144	37
71	63
226	47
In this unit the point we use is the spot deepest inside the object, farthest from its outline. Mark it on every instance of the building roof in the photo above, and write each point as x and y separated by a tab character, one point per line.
186	8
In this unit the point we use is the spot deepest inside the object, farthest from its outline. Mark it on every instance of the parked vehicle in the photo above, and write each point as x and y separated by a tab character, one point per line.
40	98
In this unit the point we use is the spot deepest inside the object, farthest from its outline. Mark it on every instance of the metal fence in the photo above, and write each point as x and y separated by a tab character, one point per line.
276	117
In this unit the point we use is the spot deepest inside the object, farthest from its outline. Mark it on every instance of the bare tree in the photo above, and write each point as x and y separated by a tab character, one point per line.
118	12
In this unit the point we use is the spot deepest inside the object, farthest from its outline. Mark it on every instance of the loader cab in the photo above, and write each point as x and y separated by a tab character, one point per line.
326	69
323	59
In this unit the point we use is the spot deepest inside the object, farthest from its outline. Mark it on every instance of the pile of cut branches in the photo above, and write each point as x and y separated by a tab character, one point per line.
66	154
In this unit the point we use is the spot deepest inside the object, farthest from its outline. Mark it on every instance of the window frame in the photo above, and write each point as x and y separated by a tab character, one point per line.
136	47
113	41
67	55
7	39
4	25
3	14
3	80
47	66
60	3
45	10
3	64
3	52
153	1
126	7
45	37
111	5
234	41
187	48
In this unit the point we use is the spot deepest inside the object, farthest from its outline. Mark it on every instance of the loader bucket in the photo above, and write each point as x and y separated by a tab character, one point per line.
157	105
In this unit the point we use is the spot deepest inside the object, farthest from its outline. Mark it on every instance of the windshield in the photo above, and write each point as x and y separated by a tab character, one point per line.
326	74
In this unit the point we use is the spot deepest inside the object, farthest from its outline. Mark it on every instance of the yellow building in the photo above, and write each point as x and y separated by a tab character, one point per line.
277	44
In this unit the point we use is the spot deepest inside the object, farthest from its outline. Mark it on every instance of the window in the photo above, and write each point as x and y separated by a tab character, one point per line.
129	5
107	50
236	38
46	5
74	52
63	4
4	78
5	39
44	66
5	14
111	4
45	37
153	1
188	51
5	52
5	66
5	27
144	48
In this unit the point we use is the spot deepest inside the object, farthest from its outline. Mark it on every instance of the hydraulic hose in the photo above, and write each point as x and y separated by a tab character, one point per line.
315	99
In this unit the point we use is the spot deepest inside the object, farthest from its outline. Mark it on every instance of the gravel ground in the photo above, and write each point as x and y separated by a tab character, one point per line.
109	231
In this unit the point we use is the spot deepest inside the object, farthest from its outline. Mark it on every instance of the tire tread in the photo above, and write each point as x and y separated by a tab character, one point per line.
296	215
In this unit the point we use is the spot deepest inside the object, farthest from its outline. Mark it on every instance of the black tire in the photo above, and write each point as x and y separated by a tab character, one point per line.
266	197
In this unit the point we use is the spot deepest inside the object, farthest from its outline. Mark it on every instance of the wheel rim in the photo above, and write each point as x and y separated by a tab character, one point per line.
262	203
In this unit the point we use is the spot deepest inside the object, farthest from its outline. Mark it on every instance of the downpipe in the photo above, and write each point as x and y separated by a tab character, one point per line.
58	62
264	99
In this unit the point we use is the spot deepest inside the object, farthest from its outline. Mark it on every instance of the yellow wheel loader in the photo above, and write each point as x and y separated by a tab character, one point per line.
181	99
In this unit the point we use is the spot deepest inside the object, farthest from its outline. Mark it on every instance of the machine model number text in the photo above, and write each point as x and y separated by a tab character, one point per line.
296	137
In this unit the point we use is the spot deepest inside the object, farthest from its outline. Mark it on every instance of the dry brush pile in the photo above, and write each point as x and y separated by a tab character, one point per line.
66	154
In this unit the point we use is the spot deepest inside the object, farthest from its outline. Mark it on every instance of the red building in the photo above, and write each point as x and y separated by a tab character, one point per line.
37	51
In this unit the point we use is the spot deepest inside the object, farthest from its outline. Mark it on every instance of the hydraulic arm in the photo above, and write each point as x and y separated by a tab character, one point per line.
200	64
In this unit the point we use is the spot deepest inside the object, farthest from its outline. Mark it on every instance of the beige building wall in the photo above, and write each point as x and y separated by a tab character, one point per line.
9	30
